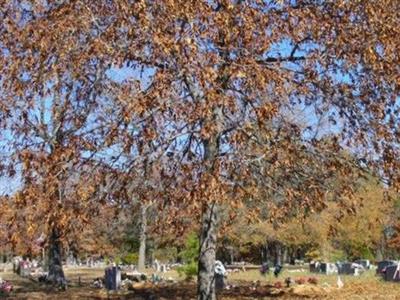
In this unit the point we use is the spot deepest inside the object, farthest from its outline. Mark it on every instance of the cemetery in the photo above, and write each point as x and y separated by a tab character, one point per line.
239	281
210	149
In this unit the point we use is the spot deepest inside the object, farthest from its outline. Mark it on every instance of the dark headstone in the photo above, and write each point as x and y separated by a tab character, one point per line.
219	282
264	269
364	262
277	270
323	268
345	268
112	278
328	268
392	273
350	269
383	264
315	267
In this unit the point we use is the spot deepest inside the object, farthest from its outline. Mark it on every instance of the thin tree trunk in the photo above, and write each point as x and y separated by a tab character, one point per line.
209	219
292	258
179	254
208	241
143	236
56	273
285	255
264	253
278	253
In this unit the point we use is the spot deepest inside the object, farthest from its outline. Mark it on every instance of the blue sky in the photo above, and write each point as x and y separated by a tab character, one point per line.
9	185
301	113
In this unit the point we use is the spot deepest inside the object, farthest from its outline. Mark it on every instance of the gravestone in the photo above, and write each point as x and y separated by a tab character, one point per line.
350	269
392	273
264	269
220	272
89	262
299	262
358	269
156	265
364	262
164	268
328	268
34	263
315	267
219	282
383	264
71	261
277	270
24	268
16	264
345	268
16	267
112	278
134	276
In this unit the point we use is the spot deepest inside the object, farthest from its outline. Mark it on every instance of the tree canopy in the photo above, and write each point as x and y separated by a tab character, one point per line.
226	101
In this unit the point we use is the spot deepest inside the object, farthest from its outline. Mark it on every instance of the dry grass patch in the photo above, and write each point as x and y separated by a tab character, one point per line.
246	285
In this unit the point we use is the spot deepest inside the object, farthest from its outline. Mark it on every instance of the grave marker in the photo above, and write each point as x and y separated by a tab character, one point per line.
163	268
112	278
315	267
24	268
350	269
157	266
219	275
364	262
392	273
328	268
383	264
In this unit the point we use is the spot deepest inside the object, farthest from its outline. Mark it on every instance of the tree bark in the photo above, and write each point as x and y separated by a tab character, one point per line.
231	255
208	241
56	274
179	254
285	255
209	219
278	253
143	236
264	253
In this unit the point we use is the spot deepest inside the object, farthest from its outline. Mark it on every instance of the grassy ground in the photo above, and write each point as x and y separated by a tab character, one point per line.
366	286
244	285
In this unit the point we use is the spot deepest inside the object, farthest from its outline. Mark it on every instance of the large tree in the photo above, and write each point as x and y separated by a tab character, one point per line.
53	121
220	86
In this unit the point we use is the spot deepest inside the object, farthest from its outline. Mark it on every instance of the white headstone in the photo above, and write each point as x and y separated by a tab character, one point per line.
157	265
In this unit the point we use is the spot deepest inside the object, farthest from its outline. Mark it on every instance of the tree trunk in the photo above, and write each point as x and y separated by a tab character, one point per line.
56	273
143	235
179	254
292	255
278	253
285	255
208	241
209	219
264	253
